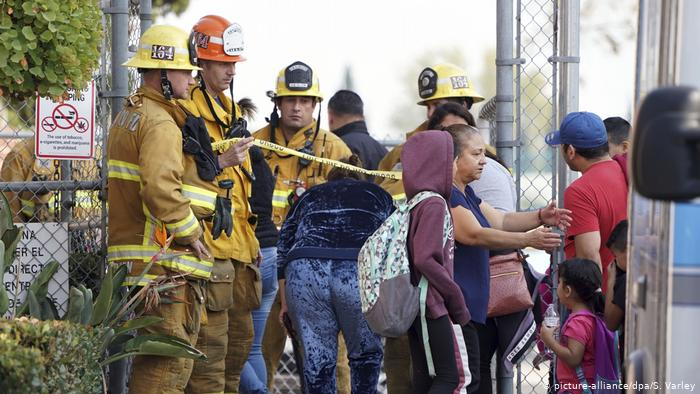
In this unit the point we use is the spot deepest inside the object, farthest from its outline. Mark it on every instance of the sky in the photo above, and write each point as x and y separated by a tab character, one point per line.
381	42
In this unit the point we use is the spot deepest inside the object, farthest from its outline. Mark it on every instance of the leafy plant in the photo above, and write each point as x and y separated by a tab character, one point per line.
10	236
110	310
49	357
48	46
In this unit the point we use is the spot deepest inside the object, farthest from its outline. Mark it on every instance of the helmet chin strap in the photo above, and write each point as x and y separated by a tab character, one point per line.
165	85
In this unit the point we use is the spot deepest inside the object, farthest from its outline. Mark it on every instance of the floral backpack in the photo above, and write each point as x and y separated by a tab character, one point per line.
390	303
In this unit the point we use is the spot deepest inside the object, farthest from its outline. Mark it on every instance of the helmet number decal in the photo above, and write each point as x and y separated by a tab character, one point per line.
298	77
427	83
163	52
233	40
201	39
459	82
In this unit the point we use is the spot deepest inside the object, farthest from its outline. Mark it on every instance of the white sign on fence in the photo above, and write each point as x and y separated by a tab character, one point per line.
41	243
66	130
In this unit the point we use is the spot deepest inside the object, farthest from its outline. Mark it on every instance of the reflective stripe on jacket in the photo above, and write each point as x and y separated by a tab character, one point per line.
148	176
242	245
21	165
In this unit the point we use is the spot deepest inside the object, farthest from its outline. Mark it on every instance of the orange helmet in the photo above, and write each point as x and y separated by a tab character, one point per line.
218	39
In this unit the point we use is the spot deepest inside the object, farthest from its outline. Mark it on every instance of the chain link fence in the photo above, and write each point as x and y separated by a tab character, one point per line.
58	203
535	169
61	203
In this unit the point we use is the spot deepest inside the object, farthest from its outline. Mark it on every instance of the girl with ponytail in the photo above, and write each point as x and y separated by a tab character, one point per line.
580	291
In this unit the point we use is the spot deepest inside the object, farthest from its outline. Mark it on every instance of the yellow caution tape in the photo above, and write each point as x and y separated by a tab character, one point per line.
223	145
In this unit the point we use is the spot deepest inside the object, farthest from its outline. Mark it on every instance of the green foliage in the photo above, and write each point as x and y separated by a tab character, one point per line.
109	313
38	304
75	348
49	357
48	46
10	236
85	269
168	6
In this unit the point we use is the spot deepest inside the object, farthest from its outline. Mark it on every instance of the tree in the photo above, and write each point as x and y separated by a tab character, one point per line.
167	6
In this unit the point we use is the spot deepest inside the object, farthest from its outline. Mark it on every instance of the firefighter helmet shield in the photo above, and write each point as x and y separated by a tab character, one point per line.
445	81
218	39
164	47
298	79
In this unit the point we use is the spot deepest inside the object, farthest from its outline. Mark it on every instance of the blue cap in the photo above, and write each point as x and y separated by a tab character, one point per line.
581	130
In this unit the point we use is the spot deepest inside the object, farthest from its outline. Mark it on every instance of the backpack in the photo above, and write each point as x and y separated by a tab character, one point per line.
390	303
606	356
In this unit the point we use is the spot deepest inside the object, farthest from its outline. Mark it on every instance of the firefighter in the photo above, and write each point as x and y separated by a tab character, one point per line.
42	205
230	236
157	191
436	85
296	96
22	165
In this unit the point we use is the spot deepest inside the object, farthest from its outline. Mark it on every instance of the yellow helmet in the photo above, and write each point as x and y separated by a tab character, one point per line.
166	48
298	79
444	81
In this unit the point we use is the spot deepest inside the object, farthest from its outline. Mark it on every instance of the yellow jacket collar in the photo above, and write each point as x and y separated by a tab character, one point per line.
170	106
198	105
299	137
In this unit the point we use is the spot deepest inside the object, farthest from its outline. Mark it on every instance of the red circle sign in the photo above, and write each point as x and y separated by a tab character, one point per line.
65	116
81	125
48	124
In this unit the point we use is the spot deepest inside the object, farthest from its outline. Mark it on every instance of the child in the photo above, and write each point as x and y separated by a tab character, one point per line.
579	290
427	159
617	284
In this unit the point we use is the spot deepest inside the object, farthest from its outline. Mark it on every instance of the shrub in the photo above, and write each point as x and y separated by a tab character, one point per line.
49	357
48	46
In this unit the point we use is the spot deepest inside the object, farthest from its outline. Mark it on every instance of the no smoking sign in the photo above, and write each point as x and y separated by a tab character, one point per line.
66	130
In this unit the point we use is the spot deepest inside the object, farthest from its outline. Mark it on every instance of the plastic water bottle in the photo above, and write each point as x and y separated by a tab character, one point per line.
551	317
551	320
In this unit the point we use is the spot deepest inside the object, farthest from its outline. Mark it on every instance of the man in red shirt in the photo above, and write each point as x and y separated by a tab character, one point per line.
598	199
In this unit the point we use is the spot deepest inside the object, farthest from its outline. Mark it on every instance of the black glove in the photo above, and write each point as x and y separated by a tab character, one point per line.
196	142
223	221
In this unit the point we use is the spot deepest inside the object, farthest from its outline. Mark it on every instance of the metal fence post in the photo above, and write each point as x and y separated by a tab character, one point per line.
146	11
504	81
569	40
119	12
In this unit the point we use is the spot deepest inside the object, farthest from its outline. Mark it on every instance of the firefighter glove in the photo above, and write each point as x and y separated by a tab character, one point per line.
223	220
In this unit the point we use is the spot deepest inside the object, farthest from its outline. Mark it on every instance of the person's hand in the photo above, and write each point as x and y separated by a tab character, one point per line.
258	260
543	238
236	154
553	216
283	312
539	359
200	250
547	335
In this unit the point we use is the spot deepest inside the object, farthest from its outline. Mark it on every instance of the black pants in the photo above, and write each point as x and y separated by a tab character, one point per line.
442	347
471	339
495	336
